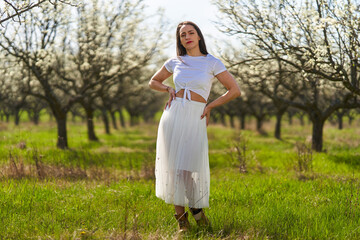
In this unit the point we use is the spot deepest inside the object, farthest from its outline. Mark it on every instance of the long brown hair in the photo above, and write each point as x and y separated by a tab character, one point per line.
180	49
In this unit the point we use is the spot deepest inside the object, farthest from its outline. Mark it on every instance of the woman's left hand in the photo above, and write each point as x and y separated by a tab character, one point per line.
172	96
206	114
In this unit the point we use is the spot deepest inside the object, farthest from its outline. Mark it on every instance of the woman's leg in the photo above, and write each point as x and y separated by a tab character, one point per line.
182	218
199	215
180	210
190	186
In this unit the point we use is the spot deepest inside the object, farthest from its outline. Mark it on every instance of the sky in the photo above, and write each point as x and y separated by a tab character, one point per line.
201	12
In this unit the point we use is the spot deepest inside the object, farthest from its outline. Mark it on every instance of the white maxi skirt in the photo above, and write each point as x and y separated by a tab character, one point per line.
182	161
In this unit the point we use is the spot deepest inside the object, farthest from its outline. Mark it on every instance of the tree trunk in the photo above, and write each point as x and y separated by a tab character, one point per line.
350	120
317	134
222	119
259	121
62	142
17	116
340	122
242	121
73	117
105	120
36	117
301	118
290	116
90	124
112	114
278	125
134	120
214	118
232	123
31	115
122	119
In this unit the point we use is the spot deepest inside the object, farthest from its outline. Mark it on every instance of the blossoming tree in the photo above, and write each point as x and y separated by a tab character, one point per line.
317	38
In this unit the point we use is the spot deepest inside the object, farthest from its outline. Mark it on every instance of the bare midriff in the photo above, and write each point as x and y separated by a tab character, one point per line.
194	96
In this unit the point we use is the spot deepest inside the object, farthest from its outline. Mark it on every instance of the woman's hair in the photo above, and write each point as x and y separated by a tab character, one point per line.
180	49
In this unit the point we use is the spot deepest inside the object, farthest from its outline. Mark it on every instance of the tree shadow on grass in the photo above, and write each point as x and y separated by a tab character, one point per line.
352	160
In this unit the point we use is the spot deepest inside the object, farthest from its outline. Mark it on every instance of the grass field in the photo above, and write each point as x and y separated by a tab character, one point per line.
105	190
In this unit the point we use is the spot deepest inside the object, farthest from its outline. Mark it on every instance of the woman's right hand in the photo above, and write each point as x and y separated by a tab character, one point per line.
171	97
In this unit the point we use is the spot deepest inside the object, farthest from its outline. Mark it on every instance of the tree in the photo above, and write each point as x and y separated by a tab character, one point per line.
34	106
318	37
139	102
34	45
300	35
108	45
45	45
352	115
271	78
11	9
14	96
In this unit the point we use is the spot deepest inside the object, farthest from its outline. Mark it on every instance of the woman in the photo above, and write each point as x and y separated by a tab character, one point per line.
182	162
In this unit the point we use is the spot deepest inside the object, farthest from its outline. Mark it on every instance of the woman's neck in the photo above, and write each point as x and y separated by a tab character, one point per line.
194	52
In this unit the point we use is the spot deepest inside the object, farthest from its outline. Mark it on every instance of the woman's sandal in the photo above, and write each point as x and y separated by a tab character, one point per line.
183	221
200	217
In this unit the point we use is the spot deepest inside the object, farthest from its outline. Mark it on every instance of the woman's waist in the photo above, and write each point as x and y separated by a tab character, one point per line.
193	102
193	95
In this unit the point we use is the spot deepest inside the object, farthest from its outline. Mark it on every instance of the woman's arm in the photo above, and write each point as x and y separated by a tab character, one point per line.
156	83
233	91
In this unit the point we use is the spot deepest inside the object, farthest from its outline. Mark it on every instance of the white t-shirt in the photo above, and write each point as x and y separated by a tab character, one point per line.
194	73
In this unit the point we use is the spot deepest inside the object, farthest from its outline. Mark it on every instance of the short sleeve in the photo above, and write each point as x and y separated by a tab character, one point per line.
169	65
219	67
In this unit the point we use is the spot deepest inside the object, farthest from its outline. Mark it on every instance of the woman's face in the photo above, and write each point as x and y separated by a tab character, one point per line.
189	37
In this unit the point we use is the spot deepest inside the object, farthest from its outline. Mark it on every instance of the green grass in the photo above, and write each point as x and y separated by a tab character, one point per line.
105	190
